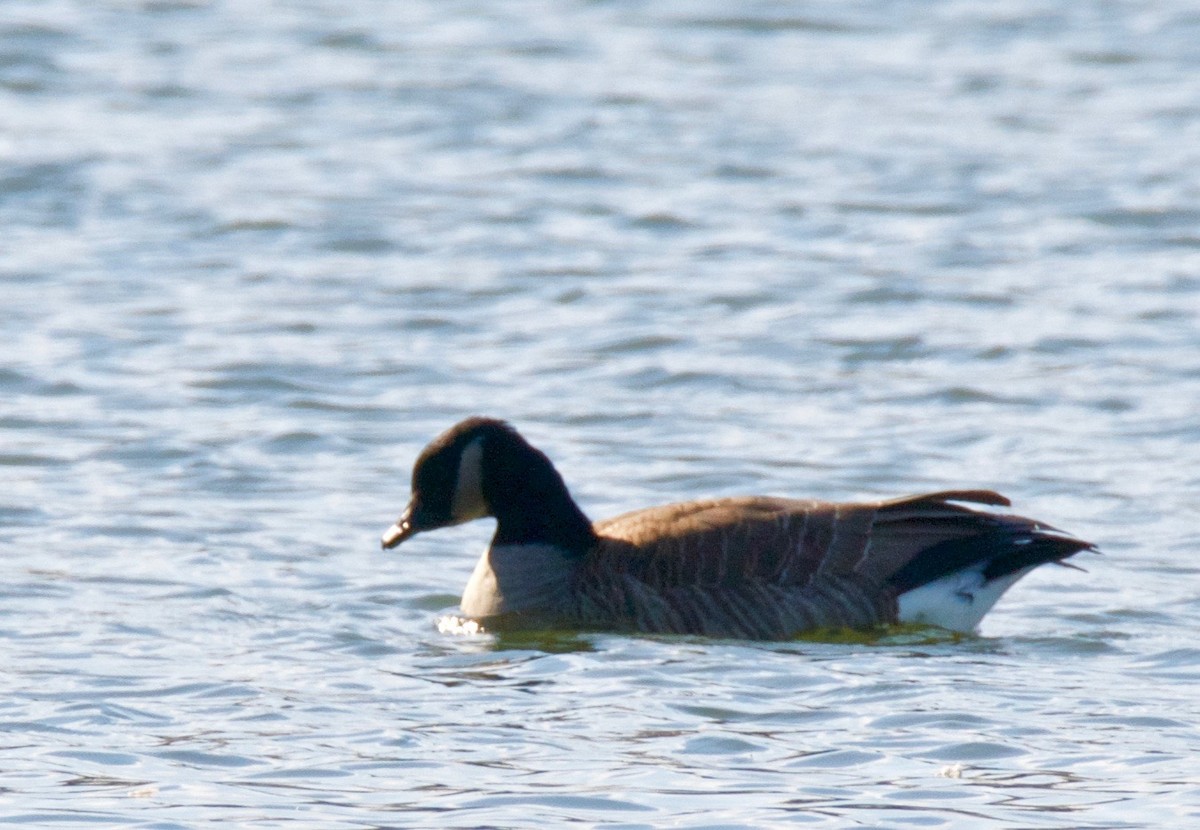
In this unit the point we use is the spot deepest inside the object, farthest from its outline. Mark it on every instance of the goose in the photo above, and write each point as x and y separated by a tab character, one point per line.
756	567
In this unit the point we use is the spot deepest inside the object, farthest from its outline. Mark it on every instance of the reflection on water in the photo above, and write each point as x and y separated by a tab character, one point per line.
249	267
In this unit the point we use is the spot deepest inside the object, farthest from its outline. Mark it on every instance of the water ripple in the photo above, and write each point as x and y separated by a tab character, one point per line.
248	271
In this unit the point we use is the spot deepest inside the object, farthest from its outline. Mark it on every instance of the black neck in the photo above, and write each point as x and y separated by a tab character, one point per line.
530	501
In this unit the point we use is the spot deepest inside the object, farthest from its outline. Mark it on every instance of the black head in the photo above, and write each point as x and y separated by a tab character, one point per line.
447	479
483	467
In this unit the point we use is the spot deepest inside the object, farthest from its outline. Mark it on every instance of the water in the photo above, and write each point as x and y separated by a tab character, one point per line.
254	256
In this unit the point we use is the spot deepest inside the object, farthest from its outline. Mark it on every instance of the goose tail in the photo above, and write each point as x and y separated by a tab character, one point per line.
954	583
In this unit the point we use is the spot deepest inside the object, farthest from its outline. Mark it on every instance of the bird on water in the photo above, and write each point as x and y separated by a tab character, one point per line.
755	567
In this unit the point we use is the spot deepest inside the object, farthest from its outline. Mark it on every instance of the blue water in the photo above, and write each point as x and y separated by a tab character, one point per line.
254	256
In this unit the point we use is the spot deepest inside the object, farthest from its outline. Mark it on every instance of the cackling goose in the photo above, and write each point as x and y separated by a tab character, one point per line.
752	567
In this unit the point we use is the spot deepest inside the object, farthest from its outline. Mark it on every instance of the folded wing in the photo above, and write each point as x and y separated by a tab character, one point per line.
769	567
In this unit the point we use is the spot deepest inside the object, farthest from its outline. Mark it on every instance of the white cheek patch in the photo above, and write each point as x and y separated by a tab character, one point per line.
468	500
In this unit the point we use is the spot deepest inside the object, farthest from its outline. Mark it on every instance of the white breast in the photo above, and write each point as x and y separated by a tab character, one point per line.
517	579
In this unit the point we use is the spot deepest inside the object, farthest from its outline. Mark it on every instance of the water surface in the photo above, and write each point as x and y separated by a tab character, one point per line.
254	258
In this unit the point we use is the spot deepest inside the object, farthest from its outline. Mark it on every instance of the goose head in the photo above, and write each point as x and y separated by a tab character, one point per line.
483	467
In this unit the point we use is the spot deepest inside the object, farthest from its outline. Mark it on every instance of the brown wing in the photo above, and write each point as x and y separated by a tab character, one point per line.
768	568
725	542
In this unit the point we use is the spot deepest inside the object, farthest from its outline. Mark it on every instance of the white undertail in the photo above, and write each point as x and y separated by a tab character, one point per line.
958	601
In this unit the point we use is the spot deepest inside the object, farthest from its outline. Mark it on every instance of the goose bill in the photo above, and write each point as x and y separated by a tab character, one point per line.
397	533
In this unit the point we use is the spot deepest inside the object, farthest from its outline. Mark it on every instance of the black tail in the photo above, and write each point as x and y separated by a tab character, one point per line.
1012	544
